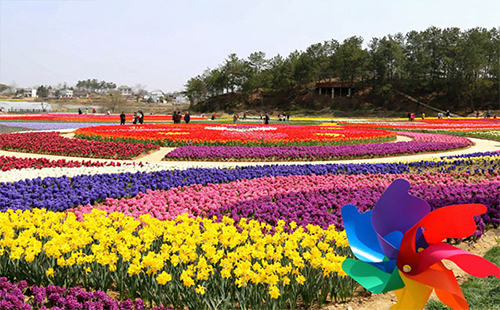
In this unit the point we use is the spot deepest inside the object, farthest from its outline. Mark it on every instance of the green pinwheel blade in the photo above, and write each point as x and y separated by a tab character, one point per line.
371	277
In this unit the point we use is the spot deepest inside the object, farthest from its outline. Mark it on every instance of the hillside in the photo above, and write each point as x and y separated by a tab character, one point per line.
365	102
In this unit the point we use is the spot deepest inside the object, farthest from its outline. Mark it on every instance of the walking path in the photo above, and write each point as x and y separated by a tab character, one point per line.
480	146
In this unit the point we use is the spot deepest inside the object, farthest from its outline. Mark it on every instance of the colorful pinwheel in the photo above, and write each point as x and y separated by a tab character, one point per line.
399	247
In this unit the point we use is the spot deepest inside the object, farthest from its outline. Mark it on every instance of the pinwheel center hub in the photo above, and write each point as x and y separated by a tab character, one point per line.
406	268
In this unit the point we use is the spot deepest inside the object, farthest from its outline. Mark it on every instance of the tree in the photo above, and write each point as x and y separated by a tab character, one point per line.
113	99
386	61
42	91
352	59
3	87
195	90
233	70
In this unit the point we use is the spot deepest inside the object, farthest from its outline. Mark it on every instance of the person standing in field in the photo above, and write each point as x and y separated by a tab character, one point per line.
122	118
266	119
187	117
141	117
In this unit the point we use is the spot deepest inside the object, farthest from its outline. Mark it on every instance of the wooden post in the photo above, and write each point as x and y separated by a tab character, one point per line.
333	92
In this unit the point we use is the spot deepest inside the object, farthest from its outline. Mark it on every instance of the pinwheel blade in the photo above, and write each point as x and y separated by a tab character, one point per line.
362	238
444	283
396	210
372	278
414	295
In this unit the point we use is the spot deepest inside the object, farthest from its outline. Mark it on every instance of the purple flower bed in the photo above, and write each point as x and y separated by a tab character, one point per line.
304	153
422	143
322	207
51	125
20	296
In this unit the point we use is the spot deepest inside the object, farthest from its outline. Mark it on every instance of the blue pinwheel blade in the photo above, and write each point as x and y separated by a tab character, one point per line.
361	235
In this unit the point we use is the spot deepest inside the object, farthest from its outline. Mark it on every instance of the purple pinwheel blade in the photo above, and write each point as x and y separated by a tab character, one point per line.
396	210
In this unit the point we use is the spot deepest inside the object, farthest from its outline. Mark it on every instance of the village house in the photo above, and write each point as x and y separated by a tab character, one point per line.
125	90
30	93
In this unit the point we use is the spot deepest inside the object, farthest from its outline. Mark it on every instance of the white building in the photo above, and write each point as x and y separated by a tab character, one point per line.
30	93
125	90
66	94
156	95
181	99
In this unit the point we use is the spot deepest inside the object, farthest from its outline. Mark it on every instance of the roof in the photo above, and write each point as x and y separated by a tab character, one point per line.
334	84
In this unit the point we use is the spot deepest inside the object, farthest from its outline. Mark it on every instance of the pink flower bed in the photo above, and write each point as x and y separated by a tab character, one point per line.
435	138
198	200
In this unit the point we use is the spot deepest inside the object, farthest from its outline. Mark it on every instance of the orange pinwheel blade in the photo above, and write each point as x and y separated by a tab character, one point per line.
443	281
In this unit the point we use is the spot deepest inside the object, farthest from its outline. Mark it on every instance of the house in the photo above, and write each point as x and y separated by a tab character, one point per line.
156	95
335	89
181	99
30	93
81	94
52	93
125	90
65	94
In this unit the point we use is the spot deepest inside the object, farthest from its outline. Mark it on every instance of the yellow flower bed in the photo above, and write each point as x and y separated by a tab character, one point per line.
164	260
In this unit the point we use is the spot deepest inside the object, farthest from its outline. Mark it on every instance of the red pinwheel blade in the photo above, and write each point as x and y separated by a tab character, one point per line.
453	221
456	221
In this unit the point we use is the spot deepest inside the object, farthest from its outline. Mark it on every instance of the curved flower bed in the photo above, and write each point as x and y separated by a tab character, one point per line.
423	143
454	124
276	239
302	199
54	144
13	163
235	134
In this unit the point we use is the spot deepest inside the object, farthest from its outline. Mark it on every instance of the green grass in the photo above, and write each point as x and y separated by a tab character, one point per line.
481	293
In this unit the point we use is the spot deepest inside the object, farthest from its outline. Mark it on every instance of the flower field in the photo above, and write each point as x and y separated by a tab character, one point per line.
73	234
454	124
421	143
76	118
235	134
54	144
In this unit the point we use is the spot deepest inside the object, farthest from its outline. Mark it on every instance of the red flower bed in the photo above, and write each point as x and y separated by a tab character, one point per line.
12	162
456	124
236	134
52	143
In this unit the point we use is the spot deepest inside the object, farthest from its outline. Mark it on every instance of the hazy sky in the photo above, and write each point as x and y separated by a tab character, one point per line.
161	44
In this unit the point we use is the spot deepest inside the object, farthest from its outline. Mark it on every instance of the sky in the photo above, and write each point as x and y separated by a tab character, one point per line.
162	44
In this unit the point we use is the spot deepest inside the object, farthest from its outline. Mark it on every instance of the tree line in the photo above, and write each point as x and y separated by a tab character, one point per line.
463	64
95	86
